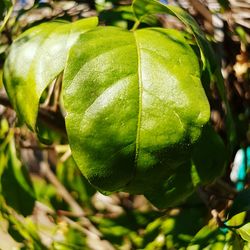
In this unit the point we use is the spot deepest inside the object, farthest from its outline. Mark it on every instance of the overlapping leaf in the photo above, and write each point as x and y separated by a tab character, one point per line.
209	157
36	58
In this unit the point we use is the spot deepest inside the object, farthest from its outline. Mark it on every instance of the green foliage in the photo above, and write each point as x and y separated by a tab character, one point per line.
137	121
75	182
4	6
16	186
6	9
38	47
151	111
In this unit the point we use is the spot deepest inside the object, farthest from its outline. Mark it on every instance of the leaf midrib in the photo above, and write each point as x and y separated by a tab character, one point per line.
138	134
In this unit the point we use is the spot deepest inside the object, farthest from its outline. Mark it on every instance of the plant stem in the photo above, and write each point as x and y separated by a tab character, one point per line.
136	25
63	192
53	120
6	18
205	198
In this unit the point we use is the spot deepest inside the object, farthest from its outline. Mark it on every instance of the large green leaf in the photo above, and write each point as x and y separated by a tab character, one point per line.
135	106
35	60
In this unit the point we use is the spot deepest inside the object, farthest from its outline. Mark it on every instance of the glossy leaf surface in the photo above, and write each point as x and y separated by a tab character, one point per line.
143	8
35	60
135	106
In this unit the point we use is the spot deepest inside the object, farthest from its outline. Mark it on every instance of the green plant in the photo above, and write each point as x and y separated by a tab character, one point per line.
134	100
136	107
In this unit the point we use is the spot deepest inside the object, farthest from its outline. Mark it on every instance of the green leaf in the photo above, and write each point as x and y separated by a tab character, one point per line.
35	59
5	6
237	220
14	233
209	156
135	106
241	203
16	185
245	232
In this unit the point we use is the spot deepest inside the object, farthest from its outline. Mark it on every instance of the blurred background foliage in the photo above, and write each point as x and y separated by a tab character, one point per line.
45	202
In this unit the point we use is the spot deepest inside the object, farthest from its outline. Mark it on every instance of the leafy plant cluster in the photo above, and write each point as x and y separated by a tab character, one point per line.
136	105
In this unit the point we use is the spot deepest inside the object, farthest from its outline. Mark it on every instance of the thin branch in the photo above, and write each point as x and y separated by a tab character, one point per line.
49	95
225	186
94	241
215	214
57	91
63	192
201	8
6	18
4	100
46	171
65	156
53	120
36	147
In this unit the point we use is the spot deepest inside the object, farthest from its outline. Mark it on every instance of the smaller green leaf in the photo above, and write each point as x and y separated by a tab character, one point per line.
14	233
35	59
241	203
245	232
209	157
6	9
16	185
173	191
237	220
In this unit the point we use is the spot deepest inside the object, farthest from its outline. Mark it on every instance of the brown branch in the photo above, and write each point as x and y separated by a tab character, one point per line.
54	120
94	241
225	186
63	192
215	214
201	8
